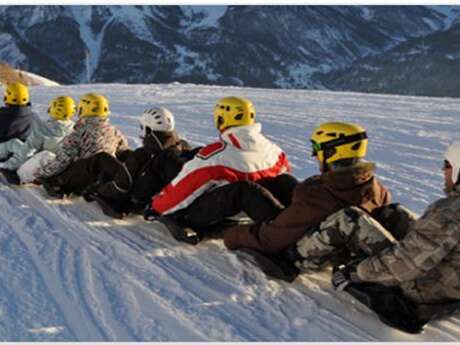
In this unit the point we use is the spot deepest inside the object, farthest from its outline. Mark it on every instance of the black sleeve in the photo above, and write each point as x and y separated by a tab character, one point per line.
123	155
156	174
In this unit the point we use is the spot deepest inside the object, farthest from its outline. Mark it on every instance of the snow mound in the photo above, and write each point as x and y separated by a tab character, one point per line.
11	75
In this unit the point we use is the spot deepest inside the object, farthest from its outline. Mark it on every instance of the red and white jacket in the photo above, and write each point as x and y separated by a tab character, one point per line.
243	153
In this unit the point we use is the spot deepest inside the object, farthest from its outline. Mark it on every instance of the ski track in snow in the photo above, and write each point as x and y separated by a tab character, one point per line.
71	273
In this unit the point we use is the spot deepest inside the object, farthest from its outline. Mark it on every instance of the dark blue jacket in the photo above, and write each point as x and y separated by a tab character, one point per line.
16	122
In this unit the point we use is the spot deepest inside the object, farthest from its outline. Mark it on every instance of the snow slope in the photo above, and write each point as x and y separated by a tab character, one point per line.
71	273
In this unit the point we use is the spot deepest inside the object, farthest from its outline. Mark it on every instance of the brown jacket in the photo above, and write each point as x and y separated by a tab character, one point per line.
313	200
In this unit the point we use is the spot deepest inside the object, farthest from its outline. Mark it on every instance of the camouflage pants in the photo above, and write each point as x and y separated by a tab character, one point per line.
348	232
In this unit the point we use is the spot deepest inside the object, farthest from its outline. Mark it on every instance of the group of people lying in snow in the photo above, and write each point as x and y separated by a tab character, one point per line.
342	217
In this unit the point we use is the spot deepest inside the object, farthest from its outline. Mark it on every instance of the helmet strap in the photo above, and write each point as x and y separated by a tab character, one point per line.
343	140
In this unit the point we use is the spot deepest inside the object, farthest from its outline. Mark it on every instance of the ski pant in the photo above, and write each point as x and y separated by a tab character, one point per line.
134	186
9	147
27	171
86	172
354	232
257	201
351	232
281	187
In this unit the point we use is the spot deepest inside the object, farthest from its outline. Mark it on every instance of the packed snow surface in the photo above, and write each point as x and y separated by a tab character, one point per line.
71	273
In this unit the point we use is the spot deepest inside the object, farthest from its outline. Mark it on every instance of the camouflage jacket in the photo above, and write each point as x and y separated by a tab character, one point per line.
426	262
91	135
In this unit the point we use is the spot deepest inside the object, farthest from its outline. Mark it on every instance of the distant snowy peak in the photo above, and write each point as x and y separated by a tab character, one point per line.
258	46
451	15
202	16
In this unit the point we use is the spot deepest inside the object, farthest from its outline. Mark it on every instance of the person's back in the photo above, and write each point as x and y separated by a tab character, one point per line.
98	135
87	152
242	154
45	136
16	117
345	180
146	170
426	262
92	134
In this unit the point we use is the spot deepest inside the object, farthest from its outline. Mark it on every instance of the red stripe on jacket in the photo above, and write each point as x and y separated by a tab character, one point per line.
234	141
173	195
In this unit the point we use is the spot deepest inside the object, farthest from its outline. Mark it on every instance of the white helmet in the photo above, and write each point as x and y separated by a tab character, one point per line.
453	156
157	119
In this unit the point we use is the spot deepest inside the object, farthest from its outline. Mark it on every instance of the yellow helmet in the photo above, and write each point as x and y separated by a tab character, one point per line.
232	112
16	94
62	108
93	104
333	141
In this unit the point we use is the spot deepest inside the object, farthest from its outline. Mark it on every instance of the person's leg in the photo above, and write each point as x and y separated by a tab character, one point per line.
282	187
86	172
395	218
9	147
350	231
28	169
213	207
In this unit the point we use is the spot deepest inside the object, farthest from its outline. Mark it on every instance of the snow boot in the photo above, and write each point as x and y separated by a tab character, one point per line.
90	192
178	231
392	307
11	176
53	190
434	311
272	266
108	208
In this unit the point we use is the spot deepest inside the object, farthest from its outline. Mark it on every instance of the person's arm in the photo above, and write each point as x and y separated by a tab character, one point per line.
429	240
123	143
181	192
282	232
64	156
33	144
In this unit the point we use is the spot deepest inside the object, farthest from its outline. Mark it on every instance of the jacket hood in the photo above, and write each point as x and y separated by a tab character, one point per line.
18	111
246	138
64	126
454	191
351	184
158	141
92	120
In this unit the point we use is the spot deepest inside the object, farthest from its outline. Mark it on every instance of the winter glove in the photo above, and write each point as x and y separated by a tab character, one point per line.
150	214
345	274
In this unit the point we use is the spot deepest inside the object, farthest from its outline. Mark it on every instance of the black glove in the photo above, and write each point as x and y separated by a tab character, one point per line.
149	213
345	274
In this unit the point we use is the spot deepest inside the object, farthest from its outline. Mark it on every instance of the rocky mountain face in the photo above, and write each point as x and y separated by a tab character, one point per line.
260	46
426	66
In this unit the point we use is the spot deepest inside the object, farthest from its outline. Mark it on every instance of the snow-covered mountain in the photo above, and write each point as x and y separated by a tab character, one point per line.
70	273
427	65
263	46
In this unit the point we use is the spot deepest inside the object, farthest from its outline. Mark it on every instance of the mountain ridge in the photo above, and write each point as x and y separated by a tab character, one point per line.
255	46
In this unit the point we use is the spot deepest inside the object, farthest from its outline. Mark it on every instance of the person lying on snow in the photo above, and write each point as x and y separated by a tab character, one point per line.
26	157
346	179
240	171
146	170
16	117
77	163
425	263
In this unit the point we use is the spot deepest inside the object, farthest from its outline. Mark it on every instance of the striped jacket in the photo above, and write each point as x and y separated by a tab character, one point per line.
243	153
